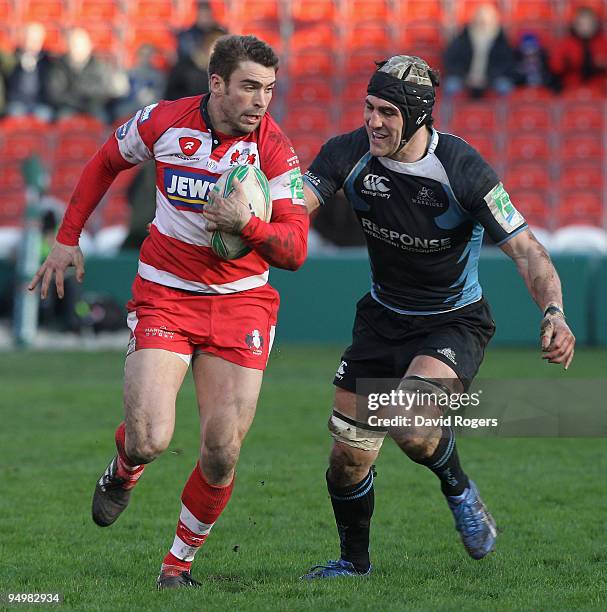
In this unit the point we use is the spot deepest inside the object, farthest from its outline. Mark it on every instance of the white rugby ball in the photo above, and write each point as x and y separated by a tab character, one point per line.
257	190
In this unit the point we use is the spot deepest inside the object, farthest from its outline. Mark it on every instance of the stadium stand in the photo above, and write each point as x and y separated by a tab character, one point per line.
550	148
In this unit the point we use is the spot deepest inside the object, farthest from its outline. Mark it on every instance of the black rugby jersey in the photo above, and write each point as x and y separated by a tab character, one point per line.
423	221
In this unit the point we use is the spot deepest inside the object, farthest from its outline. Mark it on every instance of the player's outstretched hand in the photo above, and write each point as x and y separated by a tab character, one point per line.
59	259
229	214
558	342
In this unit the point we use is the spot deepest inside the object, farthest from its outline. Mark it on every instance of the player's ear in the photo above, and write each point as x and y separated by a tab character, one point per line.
216	85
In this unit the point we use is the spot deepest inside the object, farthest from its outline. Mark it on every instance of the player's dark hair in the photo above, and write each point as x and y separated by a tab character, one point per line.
229	51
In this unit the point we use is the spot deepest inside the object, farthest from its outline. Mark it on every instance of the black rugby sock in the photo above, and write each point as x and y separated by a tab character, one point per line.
353	509
444	462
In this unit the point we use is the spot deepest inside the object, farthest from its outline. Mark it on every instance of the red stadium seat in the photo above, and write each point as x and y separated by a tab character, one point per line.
473	116
44	10
425	34
362	61
355	89
420	10
532	94
528	175
527	147
318	37
367	11
100	10
156	33
310	90
104	37
484	143
375	36
150	9
115	210
248	10
306	146
219	9
11	177
533	205
305	118
465	9
590	93
582	116
525	117
65	177
55	37
351	117
13	208
581	146
580	207
81	123
313	10
313	62
584	175
268	31
533	10
76	147
19	145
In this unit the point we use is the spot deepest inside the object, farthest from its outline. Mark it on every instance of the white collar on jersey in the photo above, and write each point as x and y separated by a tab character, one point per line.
398	166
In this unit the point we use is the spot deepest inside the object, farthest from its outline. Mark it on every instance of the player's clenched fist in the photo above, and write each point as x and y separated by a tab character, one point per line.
59	259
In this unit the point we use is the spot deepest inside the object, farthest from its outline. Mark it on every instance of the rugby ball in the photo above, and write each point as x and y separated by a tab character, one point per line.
257	190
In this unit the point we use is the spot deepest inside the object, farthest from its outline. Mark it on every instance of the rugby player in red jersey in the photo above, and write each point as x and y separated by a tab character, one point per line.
188	305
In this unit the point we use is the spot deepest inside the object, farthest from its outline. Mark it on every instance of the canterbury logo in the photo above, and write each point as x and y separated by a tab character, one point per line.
374	182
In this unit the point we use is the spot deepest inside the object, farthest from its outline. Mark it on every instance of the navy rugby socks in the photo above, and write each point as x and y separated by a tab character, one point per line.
444	462
353	509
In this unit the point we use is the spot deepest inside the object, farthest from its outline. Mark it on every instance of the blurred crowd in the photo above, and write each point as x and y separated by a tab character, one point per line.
481	58
34	82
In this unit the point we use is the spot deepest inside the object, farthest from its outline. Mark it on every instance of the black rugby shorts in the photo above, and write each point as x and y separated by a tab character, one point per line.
385	342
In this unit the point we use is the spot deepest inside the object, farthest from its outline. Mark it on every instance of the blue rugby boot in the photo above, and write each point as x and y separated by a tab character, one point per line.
333	569
473	521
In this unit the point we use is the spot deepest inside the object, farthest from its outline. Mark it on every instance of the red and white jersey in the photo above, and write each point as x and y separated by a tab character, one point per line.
190	157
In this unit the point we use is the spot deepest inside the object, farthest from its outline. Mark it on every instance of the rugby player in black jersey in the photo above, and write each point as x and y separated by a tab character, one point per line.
423	199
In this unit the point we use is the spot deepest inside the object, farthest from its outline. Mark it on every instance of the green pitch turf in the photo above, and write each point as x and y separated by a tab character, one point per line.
58	413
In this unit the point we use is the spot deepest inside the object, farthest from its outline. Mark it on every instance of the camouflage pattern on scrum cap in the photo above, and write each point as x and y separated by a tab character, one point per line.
409	68
407	82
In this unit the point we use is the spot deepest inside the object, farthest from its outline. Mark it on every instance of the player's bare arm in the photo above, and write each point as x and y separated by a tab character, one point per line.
542	280
311	199
58	261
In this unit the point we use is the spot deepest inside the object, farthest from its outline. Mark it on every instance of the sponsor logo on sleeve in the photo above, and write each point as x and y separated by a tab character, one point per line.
503	210
187	190
123	130
146	112
296	186
312	178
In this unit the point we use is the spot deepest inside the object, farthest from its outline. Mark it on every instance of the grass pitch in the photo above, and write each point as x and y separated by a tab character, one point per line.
58	413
